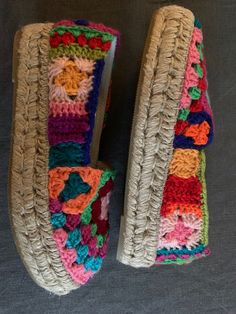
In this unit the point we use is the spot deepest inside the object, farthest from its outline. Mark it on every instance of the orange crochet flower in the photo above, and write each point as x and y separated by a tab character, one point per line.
59	175
198	132
70	78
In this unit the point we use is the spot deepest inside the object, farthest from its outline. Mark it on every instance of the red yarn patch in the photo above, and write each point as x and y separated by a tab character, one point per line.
86	231
102	226
67	38
72	221
196	105
55	40
95	42
106	46
96	210
180	126
182	190
82	40
106	188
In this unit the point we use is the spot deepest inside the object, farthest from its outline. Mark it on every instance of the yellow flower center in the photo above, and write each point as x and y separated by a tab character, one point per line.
70	78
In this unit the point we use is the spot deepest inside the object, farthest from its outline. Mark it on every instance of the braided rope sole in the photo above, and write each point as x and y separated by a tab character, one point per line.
158	95
28	184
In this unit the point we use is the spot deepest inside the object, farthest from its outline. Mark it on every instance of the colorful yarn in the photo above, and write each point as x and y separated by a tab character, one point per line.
93	248
169	208
183	234
93	263
60	175
68	154
178	231
76	50
79	194
197	132
181	126
67	107
67	128
58	220
91	105
94	229
185	163
69	258
74	186
74	238
64	22
70	80
86	232
184	250
100	240
55	206
204	207
82	253
75	31
72	221
181	256
183	114
184	190
191	76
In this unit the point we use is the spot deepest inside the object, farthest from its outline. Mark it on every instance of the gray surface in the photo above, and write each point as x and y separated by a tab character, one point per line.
205	286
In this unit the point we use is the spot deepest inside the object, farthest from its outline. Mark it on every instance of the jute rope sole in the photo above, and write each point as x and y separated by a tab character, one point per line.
158	95
29	165
28	174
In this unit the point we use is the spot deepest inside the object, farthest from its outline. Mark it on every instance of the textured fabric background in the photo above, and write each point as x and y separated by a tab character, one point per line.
205	286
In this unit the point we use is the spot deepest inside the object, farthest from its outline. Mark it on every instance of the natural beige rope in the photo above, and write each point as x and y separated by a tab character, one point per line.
29	165
156	109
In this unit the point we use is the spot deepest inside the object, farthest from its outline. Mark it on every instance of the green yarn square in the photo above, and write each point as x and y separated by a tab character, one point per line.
183	114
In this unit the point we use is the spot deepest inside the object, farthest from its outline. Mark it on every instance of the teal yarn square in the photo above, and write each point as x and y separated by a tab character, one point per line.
74	186
68	154
58	220
74	238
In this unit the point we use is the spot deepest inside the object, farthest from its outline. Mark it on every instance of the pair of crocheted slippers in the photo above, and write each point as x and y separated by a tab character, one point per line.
59	192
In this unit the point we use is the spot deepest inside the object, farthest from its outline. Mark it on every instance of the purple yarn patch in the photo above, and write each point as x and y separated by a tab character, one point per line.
92	247
86	231
67	128
55	206
72	221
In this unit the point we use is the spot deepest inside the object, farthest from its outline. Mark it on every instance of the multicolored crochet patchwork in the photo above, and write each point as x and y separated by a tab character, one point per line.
183	234
79	194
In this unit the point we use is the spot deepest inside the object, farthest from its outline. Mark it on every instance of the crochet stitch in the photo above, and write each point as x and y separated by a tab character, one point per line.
165	216
184	214
58	200
158	96
79	194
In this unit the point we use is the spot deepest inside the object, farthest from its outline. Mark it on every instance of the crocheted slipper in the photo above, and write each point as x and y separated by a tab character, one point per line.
165	216
59	194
